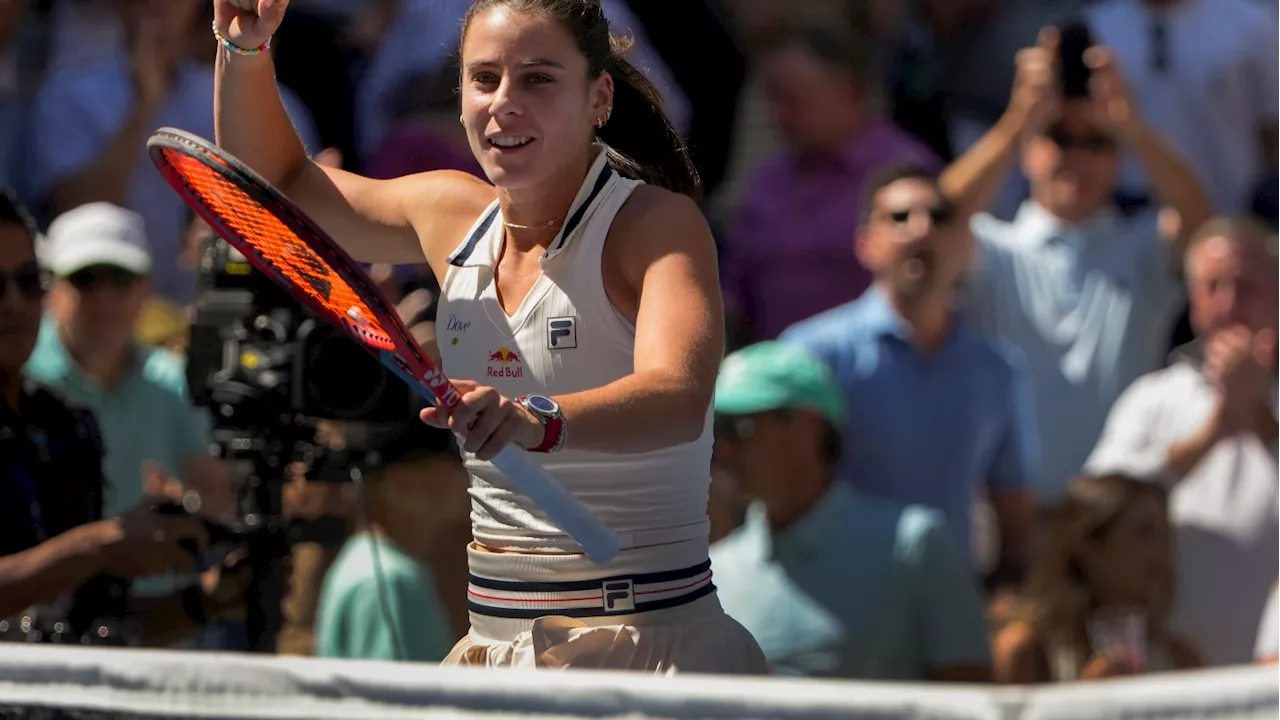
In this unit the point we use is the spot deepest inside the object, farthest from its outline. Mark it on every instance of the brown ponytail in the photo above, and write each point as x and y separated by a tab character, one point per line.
643	144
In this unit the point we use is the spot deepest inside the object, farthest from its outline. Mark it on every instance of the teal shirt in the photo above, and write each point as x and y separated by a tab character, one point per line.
351	624
858	589
147	416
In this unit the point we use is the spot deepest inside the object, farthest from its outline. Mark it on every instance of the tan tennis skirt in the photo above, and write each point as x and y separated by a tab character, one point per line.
557	613
694	638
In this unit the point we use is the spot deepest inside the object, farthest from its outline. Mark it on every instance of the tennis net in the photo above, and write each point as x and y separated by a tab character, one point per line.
60	683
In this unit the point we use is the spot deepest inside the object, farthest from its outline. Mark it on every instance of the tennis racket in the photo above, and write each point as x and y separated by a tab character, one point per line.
278	239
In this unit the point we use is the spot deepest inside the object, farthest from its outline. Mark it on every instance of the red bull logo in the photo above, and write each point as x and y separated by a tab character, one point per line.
508	364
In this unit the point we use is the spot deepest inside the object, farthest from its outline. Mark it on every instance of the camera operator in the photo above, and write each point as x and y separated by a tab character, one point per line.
57	551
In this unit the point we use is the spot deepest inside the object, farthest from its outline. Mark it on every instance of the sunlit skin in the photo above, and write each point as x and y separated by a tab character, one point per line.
523	77
1072	183
919	258
1230	286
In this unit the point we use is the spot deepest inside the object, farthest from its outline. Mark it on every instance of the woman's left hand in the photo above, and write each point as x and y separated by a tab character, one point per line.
486	420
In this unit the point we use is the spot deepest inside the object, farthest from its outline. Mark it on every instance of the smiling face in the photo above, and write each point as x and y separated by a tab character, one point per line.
529	103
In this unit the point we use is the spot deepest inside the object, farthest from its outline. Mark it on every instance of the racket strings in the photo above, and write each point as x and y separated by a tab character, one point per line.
273	242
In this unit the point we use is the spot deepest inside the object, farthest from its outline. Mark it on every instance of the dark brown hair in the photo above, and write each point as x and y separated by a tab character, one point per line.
643	144
1058	600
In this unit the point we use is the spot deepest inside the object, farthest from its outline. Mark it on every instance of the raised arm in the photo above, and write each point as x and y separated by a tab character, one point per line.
974	179
378	221
1173	183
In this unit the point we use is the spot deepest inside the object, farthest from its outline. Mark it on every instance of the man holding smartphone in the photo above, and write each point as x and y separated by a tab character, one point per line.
1086	290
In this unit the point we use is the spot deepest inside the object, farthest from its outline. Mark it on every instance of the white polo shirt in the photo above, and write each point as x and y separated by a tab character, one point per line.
1218	88
1224	513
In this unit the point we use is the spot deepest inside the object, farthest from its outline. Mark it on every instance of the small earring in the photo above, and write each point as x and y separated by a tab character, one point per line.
600	122
462	120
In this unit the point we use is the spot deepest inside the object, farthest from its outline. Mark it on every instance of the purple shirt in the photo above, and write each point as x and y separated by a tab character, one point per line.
791	252
411	149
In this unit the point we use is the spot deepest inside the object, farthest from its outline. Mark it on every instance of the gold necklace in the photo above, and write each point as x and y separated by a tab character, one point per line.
548	225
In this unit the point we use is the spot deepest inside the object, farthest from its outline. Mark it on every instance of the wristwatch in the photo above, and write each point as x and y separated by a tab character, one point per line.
548	412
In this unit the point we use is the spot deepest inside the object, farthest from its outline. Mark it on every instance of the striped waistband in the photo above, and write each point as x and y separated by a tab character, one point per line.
617	595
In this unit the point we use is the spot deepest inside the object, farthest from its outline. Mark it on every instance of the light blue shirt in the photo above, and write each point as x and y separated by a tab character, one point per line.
147	416
859	588
1090	307
925	429
387	611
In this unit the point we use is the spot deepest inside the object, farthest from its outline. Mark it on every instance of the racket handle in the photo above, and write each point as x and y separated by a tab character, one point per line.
596	539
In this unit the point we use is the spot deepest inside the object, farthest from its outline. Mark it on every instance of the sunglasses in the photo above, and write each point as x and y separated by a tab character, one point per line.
114	277
28	279
938	214
1068	141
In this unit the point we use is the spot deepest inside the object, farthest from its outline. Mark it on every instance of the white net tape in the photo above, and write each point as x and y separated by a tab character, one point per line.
95	684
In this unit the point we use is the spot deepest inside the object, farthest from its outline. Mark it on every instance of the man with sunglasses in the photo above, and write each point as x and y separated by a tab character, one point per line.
936	410
59	551
1087	291
831	581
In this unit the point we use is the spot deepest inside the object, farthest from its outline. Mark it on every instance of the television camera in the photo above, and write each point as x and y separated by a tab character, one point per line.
267	368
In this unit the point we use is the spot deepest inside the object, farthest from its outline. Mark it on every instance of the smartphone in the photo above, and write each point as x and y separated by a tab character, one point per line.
1073	40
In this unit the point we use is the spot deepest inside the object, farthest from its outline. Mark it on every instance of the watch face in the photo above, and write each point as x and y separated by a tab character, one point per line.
543	405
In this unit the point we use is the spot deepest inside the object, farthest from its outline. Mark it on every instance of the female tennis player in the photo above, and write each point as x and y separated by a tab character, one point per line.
580	316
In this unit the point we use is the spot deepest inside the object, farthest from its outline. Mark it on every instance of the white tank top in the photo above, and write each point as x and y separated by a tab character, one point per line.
565	337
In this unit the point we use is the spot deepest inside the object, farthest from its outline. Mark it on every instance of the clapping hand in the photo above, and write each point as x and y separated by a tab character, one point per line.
1114	107
1242	364
1037	97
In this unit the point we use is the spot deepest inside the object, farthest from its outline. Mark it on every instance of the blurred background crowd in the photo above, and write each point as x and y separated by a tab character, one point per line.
1001	401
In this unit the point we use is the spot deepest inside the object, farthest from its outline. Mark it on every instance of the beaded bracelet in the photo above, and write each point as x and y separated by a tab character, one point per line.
236	49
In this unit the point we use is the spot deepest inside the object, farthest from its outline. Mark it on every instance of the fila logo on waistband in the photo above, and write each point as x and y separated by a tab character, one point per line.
619	595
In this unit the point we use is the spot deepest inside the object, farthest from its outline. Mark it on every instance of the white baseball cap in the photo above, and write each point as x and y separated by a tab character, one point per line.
97	234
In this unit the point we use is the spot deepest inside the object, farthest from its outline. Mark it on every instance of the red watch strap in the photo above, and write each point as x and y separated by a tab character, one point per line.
552	437
553	429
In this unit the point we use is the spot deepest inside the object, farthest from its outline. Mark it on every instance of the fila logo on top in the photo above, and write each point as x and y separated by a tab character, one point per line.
562	333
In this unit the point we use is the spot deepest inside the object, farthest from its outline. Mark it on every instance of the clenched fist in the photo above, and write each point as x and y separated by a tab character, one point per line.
248	23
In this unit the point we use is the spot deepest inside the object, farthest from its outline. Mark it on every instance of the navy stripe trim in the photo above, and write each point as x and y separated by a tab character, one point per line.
577	585
460	258
576	219
533	614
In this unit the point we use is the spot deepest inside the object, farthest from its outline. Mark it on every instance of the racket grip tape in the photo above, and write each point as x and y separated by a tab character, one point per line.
596	539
